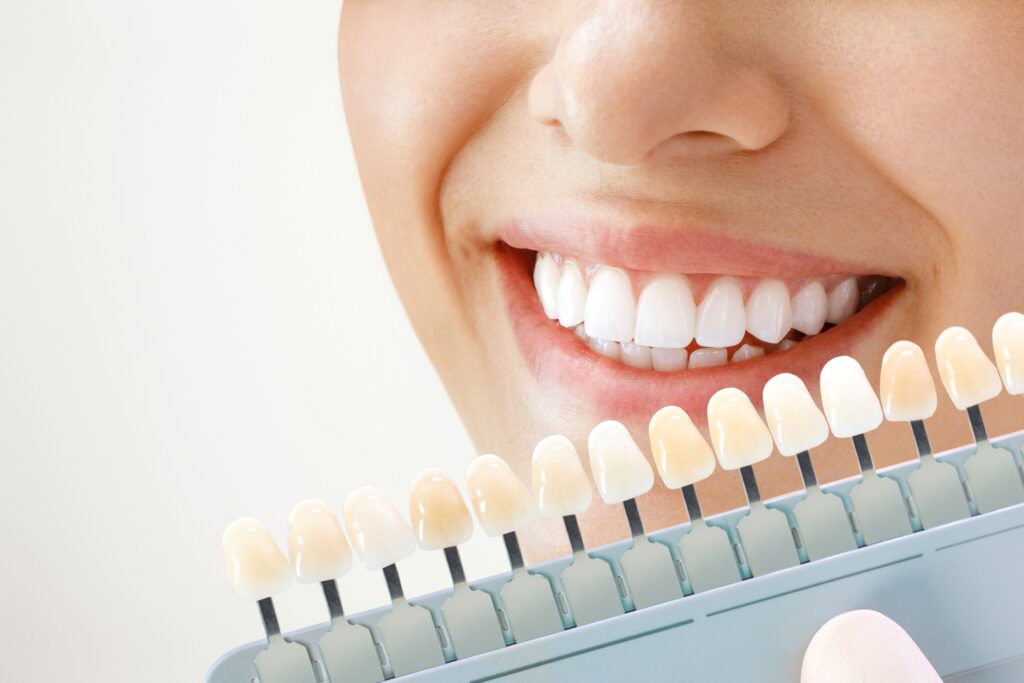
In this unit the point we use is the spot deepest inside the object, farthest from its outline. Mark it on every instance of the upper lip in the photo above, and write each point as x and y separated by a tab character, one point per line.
674	248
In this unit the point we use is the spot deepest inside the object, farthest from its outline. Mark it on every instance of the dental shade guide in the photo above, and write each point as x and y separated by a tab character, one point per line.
319	553
381	538
970	379
502	504
1008	343
622	473
852	409
740	439
441	521
561	489
797	426
258	570
683	457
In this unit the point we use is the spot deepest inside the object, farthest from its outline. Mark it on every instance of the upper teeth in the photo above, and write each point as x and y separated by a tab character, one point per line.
654	329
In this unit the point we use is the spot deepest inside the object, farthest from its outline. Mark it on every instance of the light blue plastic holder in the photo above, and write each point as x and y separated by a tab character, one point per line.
958	590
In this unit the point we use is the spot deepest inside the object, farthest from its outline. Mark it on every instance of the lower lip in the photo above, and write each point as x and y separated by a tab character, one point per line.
563	363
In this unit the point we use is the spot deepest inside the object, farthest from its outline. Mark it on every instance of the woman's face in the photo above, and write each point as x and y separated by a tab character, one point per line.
710	183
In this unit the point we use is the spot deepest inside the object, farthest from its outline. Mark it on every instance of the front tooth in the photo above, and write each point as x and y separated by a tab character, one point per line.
665	313
843	300
668	360
721	318
682	455
967	373
317	546
560	486
610	311
850	403
545	279
380	536
571	296
708	358
608	349
746	352
439	516
635	355
810	308
905	385
769	315
620	470
256	567
1008	342
738	434
500	499
793	418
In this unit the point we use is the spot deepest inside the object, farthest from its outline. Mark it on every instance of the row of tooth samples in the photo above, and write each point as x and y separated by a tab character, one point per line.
654	329
709	554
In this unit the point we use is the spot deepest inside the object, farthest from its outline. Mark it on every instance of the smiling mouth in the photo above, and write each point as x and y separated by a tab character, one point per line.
627	321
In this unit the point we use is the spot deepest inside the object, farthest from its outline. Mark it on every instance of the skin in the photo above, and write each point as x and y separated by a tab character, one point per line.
885	134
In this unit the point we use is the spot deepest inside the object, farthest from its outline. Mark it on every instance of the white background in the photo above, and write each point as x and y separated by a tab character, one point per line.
195	325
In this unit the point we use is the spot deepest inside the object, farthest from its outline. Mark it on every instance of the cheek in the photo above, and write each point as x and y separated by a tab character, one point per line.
932	95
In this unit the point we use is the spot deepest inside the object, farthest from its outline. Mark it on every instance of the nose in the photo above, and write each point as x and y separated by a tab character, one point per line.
633	80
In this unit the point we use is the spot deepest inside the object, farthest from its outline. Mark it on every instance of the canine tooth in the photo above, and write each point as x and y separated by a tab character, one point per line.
608	349
620	470
610	311
668	360
708	358
905	385
379	534
500	499
545	280
875	287
721	317
256	567
1008	342
440	518
810	308
769	315
571	296
317	546
560	486
635	355
738	434
682	455
746	352
850	403
793	418
967	373
665	313
843	300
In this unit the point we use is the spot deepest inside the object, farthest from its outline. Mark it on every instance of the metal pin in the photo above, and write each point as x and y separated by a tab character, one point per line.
692	504
636	525
451	555
750	484
394	583
977	424
572	528
269	616
803	458
924	446
860	445
334	608
515	554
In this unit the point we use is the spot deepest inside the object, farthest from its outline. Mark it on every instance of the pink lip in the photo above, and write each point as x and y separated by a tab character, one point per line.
673	249
563	363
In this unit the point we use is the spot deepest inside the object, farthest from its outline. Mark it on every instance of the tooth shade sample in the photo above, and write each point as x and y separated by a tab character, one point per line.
850	403
738	434
669	360
439	516
560	486
317	546
721	316
681	454
380	536
1008	342
571	296
810	308
708	358
967	373
610	311
620	470
500	499
864	646
793	418
665	314
906	385
256	567
843	301
769	315
545	279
